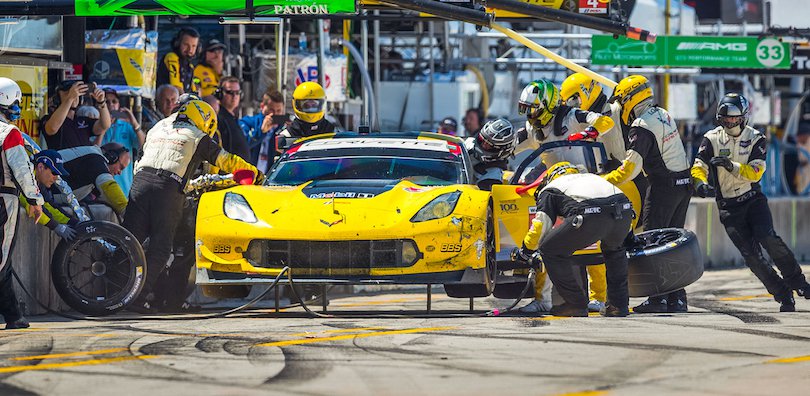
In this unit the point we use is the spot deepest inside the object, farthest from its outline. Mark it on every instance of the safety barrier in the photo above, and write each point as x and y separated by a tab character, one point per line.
34	244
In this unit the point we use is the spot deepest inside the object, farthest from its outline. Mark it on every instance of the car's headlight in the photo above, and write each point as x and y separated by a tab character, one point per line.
441	206
236	207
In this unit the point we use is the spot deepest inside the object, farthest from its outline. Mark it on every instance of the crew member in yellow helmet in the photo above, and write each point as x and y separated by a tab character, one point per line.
592	210
171	153
655	147
309	106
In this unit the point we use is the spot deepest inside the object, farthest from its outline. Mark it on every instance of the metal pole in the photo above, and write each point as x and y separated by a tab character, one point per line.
279	56
242	42
377	76
364	52
665	91
431	34
321	54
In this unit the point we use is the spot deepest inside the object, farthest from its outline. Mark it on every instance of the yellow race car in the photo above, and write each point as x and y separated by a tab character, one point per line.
400	208
355	208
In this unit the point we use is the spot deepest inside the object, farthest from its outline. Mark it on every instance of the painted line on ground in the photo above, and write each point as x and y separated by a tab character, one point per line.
351	336
585	393
744	298
358	329
796	359
590	314
70	354
49	366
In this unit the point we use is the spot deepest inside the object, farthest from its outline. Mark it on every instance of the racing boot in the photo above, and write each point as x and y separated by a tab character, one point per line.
570	310
804	291
596	306
612	311
788	304
536	307
655	304
676	302
20	323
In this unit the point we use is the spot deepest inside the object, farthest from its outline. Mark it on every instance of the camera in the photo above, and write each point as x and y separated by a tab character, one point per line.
87	99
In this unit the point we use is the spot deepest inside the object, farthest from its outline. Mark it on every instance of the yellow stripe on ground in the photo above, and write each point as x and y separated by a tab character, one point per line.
71	354
350	336
358	329
791	360
586	393
563	317
743	298
16	369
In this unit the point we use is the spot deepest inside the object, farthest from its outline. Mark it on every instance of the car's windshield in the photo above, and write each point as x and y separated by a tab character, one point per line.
422	171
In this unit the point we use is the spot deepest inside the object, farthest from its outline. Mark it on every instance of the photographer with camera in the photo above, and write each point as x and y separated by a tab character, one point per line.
260	129
63	128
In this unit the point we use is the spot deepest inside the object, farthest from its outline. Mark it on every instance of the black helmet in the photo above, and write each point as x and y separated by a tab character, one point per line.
496	140
732	113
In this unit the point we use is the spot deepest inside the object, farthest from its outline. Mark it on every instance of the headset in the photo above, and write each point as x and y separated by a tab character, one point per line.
218	93
113	151
185	31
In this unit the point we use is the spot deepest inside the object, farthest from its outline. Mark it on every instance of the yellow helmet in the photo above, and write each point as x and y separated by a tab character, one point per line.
309	102
630	92
557	170
199	114
583	87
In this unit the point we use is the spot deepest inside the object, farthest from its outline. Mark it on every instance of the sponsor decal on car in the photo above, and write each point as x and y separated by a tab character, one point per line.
340	194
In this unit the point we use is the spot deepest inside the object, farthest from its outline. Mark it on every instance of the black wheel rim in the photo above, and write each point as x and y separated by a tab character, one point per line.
658	238
99	270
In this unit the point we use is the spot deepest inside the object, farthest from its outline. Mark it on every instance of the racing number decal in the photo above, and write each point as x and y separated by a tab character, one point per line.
451	247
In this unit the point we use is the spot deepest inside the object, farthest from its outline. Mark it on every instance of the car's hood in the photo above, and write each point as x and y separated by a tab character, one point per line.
339	205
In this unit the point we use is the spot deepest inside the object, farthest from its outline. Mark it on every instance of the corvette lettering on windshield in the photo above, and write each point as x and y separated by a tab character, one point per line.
338	194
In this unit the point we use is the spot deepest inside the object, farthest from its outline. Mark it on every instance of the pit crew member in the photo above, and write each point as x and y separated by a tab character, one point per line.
489	150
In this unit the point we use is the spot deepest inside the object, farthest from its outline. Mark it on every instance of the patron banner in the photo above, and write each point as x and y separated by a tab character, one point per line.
213	8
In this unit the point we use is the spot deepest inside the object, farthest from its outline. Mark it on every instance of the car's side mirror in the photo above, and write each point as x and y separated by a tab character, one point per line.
283	143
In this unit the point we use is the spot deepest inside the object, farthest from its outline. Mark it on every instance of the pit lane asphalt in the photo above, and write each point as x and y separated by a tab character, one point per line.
733	342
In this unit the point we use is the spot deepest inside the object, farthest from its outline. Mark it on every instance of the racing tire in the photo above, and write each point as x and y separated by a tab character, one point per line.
490	273
101	271
664	261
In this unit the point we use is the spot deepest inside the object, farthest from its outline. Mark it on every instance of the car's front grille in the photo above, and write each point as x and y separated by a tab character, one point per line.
328	254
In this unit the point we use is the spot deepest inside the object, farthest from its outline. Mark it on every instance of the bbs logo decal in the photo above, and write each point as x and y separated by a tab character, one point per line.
222	249
451	247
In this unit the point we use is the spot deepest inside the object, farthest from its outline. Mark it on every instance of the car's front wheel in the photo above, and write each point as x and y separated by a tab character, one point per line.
490	272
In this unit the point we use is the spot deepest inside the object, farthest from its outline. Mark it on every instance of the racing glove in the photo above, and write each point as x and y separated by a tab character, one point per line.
523	254
704	190
588	133
723	162
65	232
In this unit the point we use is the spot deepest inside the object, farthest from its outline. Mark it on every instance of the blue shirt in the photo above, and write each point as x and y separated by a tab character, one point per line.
122	132
252	128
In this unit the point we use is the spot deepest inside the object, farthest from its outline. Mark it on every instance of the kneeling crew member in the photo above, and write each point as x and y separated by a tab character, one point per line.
655	146
171	153
734	154
48	166
489	150
93	167
592	210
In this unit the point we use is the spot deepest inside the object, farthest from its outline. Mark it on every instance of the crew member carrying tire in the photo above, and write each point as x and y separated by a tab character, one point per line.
592	210
547	120
16	170
734	155
489	150
171	153
656	147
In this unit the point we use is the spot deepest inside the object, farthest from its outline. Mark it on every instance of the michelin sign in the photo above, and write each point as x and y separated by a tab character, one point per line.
213	8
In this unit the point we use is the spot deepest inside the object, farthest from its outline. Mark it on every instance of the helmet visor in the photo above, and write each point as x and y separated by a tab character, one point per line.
310	105
574	101
531	111
729	122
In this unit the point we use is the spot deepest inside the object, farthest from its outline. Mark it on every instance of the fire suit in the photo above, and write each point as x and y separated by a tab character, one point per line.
88	169
744	210
487	173
299	128
655	147
16	172
592	210
171	153
567	120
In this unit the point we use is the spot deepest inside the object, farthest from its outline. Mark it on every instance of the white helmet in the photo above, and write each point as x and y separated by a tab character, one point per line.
10	98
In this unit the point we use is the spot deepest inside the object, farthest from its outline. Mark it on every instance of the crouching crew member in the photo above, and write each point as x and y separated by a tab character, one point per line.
592	210
48	166
489	150
734	155
92	168
655	146
172	151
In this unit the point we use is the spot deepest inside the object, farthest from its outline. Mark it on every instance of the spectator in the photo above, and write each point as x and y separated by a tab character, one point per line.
177	69
209	71
448	126
92	169
260	129
125	131
165	99
472	121
803	170
63	128
233	139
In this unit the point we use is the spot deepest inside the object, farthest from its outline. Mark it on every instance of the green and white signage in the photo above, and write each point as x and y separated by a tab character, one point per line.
213	7
692	51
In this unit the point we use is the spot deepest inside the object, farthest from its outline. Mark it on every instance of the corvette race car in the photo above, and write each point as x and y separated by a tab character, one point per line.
394	208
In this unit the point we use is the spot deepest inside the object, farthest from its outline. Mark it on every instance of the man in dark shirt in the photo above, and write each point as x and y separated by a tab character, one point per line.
63	129
92	168
233	139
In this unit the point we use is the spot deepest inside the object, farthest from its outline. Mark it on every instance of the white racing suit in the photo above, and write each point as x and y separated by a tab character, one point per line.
16	171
